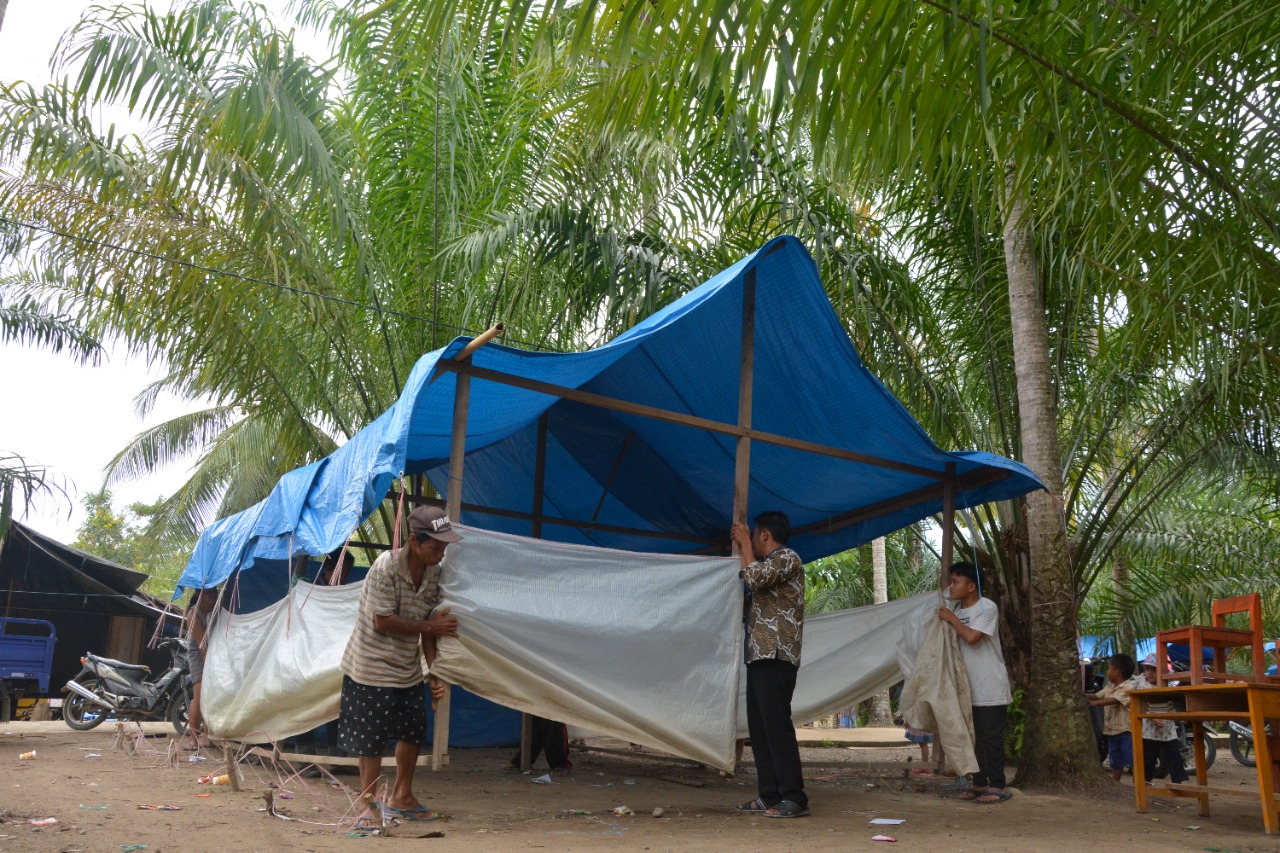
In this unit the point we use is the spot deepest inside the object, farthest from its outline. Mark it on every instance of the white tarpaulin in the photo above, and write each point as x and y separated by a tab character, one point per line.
274	673
847	656
935	696
642	647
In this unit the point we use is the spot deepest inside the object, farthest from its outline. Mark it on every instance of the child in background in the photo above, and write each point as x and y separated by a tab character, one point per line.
1114	701
1159	737
923	738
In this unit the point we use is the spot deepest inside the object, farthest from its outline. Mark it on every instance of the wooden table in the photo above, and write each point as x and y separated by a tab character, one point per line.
1243	702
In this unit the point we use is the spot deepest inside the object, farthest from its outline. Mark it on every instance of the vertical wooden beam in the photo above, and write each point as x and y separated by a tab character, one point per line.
746	374
948	525
539	476
539	486
453	508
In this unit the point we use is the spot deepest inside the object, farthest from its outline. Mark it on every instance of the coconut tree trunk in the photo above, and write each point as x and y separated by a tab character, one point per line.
1057	743
881	705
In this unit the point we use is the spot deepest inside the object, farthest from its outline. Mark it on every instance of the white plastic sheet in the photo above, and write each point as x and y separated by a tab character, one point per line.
847	656
642	647
275	672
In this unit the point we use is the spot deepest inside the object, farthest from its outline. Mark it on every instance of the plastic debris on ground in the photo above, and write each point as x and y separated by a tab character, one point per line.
48	821
883	838
544	779
150	808
886	821
94	808
620	810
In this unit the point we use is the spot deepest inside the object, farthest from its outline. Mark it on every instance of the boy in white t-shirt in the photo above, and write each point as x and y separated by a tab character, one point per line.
976	621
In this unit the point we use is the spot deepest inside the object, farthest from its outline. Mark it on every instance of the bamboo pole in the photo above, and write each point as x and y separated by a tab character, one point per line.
539	486
453	509
948	525
746	373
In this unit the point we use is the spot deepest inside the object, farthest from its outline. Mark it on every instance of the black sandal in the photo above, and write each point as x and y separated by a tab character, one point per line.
754	806
788	808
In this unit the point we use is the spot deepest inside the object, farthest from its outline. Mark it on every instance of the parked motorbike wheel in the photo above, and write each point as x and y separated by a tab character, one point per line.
179	712
1242	749
1189	752
81	714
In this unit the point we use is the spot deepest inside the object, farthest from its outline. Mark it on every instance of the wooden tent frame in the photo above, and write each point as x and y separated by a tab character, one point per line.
945	485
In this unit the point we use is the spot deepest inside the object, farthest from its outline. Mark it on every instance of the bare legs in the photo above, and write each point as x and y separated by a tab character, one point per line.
401	795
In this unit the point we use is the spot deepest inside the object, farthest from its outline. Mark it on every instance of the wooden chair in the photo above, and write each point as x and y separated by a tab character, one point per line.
1220	639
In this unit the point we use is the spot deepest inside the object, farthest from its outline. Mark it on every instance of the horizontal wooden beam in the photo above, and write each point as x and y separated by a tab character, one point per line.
587	526
980	477
603	402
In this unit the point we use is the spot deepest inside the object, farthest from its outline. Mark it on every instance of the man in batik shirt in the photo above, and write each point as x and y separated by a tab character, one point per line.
775	627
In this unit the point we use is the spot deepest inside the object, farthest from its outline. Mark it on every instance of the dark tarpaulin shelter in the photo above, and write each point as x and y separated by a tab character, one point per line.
744	395
634	445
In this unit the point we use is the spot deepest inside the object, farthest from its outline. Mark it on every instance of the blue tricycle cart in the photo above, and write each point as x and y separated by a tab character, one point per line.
26	658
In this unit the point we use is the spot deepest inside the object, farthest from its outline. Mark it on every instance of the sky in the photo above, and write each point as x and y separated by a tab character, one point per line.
55	412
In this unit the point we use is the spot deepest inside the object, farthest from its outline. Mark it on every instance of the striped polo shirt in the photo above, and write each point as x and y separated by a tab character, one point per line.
375	657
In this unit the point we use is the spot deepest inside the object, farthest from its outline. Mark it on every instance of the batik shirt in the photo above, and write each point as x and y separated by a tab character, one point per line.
775	621
378	658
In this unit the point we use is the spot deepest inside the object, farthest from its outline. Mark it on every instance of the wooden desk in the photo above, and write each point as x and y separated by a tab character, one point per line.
1243	702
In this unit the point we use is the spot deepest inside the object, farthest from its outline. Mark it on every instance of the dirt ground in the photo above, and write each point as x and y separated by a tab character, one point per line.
93	783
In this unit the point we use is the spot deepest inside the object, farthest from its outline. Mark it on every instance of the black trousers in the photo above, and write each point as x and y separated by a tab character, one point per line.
552	738
989	722
1168	753
770	684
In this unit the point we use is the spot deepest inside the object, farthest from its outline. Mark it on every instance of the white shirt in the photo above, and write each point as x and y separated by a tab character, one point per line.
988	678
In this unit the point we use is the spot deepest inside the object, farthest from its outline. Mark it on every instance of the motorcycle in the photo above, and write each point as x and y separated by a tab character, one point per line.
111	688
1187	746
1240	740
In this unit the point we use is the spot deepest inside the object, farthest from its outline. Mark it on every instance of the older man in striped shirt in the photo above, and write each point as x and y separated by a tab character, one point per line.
382	694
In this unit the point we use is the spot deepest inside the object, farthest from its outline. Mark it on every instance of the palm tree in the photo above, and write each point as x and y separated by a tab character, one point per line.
290	246
1115	150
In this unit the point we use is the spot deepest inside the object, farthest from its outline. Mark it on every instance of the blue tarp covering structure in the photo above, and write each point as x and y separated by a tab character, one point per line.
616	476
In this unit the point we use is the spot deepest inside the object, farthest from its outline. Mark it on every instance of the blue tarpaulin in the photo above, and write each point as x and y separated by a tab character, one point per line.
618	475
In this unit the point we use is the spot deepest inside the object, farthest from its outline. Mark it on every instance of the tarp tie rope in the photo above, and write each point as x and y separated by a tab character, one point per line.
290	583
335	575
160	623
395	535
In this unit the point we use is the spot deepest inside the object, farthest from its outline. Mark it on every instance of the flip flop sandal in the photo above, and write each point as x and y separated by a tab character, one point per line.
1000	797
788	808
421	814
970	795
367	825
753	806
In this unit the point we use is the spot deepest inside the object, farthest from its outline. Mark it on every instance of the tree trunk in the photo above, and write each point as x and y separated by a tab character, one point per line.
881	704
1058	746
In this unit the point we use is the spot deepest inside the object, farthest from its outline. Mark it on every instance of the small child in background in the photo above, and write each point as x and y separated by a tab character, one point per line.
1159	737
1114	701
921	737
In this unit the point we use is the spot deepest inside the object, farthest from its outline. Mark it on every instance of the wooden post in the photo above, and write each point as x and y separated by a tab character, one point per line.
746	372
453	508
948	526
539	486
